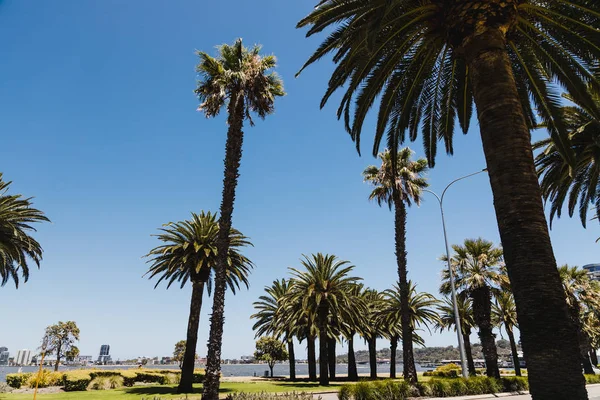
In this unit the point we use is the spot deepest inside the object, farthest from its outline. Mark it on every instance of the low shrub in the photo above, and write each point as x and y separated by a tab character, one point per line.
115	382
77	381
17	380
272	396
445	371
129	378
515	384
150	377
46	378
591	379
98	383
436	387
199	374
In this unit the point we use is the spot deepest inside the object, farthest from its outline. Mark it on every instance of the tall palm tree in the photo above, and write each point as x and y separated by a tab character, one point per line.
16	244
352	322
580	295
504	313
425	62
580	184
465	314
270	316
189	253
238	77
398	183
477	265
421	310
370	330
323	288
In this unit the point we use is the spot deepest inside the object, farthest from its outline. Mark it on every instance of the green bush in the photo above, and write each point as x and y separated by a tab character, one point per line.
77	381
515	384
98	383
271	396
591	379
15	381
150	377
45	378
445	371
199	374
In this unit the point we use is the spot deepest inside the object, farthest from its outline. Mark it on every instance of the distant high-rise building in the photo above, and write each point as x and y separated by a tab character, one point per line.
4	355
104	357
593	271
23	357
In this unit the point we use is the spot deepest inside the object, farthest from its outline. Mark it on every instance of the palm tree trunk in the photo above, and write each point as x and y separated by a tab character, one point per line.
547	334
189	356
373	356
393	349
408	360
482	314
292	359
468	351
594	357
312	359
323	313
233	156
57	363
514	351
352	371
331	357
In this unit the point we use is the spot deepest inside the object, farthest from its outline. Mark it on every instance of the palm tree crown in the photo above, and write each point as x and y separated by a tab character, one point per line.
189	252
236	71
412	56
409	179
270	314
422	308
16	244
581	184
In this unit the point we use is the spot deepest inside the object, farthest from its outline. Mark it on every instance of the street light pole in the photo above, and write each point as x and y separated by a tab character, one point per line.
459	334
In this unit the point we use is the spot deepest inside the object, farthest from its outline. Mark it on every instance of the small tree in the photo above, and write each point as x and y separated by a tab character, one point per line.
179	352
271	350
60	339
72	353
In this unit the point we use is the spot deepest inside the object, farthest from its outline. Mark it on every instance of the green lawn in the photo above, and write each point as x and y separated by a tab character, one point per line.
168	391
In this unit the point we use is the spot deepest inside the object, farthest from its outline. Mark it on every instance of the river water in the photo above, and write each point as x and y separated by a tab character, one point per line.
231	369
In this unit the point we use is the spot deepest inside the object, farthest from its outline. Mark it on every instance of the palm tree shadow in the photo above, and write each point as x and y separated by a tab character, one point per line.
164	390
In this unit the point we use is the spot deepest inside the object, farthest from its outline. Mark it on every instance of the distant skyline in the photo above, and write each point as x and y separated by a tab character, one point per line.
99	124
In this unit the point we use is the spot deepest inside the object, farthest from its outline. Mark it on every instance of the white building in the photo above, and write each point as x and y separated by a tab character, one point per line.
23	357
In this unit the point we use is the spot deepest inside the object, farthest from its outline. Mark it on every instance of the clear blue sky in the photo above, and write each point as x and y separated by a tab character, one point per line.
99	123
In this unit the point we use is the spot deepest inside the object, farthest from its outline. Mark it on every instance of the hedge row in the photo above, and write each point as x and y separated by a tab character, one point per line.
400	390
591	379
79	380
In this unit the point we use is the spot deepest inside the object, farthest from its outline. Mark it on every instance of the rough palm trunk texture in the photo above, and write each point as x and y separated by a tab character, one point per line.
352	371
547	334
323	365
312	360
393	349
373	356
58	354
189	357
482	314
233	156
514	351
410	370
292	359
468	351
331	357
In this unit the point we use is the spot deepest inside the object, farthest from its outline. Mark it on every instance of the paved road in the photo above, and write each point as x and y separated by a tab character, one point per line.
593	392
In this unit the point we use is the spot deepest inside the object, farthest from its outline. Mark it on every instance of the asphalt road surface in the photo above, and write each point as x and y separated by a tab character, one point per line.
593	392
